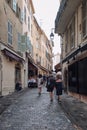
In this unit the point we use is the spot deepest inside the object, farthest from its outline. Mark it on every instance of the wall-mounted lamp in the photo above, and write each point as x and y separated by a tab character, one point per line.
52	34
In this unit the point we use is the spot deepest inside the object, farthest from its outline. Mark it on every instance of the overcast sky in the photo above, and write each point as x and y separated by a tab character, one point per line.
45	13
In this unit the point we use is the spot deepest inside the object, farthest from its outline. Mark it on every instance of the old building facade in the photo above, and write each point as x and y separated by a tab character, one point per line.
27	44
12	64
19	35
71	25
42	49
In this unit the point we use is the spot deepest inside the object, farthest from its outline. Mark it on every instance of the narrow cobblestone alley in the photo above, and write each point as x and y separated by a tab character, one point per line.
33	112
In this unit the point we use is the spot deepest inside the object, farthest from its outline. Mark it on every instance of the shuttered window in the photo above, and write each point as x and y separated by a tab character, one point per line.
14	5
9	32
72	34
84	18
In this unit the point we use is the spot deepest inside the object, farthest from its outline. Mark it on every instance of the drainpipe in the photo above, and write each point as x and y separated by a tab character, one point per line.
0	71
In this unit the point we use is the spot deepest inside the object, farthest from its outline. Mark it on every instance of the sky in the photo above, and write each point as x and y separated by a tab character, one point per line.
45	13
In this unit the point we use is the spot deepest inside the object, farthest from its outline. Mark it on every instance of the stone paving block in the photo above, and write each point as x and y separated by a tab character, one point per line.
27	111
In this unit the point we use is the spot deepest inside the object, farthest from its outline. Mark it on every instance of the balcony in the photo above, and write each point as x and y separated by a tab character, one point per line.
66	11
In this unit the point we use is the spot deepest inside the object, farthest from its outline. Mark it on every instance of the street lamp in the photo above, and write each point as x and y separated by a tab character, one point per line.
52	34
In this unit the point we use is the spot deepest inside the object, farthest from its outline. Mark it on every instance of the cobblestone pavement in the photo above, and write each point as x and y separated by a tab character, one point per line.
75	110
28	111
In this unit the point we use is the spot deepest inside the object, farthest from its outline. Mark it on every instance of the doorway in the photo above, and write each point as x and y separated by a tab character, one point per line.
17	73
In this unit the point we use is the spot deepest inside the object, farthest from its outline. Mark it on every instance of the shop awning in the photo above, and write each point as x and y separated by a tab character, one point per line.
34	65
13	55
75	52
41	67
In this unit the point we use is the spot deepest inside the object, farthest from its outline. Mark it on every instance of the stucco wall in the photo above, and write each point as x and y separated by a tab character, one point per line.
8	82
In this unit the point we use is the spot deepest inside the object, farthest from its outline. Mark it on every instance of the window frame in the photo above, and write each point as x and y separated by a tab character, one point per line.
10	33
72	34
25	14
84	19
28	23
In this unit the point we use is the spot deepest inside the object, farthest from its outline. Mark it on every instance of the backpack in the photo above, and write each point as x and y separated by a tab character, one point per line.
50	82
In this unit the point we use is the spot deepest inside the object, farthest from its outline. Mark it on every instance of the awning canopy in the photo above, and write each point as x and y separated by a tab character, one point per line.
75	52
33	64
44	69
13	55
31	60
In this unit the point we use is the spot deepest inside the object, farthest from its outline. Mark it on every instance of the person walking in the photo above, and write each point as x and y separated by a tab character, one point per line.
50	86
58	86
40	83
44	80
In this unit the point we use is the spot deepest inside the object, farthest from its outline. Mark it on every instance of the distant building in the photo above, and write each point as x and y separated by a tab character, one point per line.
56	59
42	49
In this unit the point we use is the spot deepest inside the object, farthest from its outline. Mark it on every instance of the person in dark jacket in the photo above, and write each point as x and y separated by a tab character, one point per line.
18	86
50	86
58	86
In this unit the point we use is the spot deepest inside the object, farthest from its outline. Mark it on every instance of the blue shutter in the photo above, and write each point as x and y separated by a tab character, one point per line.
14	5
23	43
22	16
19	41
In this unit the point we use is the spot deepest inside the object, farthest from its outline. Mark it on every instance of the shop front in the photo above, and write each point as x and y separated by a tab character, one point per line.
75	65
32	69
11	71
77	77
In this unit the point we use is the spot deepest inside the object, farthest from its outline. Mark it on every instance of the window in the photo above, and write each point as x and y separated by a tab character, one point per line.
9	33
39	60
70	37
28	23
25	14
22	16
72	34
19	41
14	5
31	30
84	18
66	41
18	12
